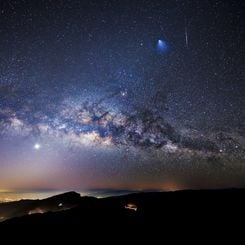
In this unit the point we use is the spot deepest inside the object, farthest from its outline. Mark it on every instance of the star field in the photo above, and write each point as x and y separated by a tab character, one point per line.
122	94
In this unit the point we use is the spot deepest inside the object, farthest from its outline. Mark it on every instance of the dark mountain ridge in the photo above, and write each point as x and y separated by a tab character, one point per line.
136	210
26	207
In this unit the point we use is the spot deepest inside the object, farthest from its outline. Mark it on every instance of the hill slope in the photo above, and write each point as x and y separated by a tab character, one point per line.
27	207
141	209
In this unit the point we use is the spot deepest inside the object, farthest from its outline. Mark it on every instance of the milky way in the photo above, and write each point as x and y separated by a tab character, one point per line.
106	94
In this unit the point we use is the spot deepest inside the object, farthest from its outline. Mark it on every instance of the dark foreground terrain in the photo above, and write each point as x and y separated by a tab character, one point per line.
134	210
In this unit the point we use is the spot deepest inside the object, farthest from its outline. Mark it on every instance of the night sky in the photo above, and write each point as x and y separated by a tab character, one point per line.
124	94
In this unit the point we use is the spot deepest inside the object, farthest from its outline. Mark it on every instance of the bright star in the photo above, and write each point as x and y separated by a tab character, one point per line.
37	146
123	93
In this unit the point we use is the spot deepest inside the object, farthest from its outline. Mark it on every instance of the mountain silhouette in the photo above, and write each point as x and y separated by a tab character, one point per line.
27	207
132	210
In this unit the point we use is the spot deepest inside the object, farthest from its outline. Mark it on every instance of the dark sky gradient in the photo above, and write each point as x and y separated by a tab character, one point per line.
122	94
